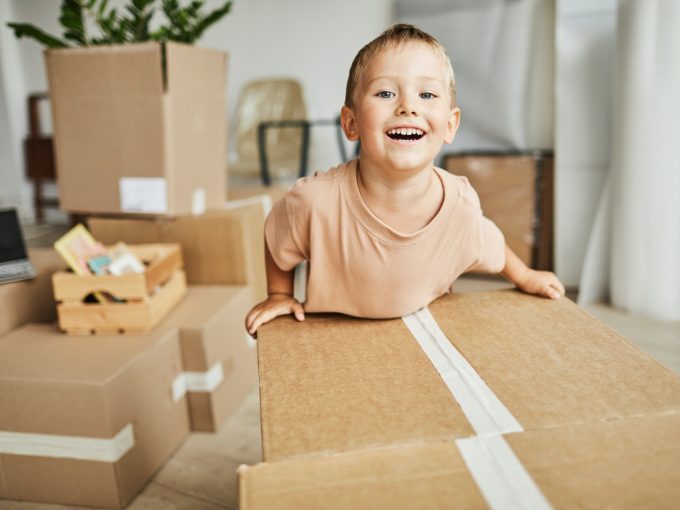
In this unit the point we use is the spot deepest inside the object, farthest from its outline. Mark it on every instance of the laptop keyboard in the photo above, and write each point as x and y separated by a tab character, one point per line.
16	268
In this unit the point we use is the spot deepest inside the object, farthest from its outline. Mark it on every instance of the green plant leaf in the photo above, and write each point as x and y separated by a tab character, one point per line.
211	18
71	18
33	32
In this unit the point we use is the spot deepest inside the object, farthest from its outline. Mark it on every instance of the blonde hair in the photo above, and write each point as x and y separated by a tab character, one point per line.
396	35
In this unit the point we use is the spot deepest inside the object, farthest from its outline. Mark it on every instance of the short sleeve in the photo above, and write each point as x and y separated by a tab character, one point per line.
287	230
485	238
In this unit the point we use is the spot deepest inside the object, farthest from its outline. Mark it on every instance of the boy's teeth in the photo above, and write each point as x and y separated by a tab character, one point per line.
405	131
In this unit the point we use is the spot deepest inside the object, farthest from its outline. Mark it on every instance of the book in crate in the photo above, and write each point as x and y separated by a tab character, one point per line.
135	302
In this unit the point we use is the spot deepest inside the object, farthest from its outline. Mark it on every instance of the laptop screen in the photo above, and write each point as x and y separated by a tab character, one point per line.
11	243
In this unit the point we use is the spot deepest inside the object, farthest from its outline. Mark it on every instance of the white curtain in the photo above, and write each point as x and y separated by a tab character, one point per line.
633	256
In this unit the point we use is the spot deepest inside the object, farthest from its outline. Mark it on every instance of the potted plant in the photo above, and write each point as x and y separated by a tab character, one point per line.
138	112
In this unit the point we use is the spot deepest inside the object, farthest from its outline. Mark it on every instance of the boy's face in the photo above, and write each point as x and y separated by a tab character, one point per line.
402	110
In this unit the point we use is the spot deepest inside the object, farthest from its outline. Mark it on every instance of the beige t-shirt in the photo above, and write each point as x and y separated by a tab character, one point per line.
360	266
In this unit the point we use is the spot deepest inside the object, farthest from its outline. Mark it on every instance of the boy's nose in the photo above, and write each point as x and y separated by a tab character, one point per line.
406	108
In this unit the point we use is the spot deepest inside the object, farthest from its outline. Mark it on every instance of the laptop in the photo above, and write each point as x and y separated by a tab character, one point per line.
14	263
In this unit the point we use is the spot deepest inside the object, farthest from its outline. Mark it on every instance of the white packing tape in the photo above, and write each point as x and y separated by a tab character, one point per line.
202	382
68	447
499	474
485	412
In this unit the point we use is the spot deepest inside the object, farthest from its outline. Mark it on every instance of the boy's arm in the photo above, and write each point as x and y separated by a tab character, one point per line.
280	300
543	283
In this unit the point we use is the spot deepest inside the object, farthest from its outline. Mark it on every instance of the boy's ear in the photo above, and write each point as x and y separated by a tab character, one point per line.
349	124
452	125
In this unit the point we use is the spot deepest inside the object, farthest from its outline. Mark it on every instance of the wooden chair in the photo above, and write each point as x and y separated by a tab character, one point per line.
39	157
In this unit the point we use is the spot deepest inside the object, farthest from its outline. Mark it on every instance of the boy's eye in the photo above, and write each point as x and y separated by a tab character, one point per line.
385	94
427	95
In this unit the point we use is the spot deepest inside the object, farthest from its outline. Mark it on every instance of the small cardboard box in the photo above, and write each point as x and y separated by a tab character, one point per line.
219	359
147	296
139	128
550	373
219	247
31	300
84	421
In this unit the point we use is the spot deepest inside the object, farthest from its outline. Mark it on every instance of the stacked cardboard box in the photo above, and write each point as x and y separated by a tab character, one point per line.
31	300
87	421
139	128
219	361
494	399
222	246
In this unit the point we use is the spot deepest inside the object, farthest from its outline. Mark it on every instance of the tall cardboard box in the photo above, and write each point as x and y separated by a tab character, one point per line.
219	360
87	421
139	128
478	387
222	246
31	300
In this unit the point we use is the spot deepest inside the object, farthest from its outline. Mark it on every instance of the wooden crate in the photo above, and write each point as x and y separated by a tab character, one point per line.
147	297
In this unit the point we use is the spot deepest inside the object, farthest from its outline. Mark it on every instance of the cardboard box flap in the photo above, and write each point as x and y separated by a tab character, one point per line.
550	363
408	476
334	383
628	463
129	70
187	63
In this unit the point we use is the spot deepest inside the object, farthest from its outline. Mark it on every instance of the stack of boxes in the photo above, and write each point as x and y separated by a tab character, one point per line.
90	412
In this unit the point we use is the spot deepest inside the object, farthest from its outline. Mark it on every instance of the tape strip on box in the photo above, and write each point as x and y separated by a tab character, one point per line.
202	382
483	409
68	447
499	474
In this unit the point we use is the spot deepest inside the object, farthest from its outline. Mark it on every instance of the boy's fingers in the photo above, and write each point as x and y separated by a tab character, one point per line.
299	312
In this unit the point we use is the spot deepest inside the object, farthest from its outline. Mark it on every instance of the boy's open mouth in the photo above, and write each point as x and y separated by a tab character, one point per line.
406	134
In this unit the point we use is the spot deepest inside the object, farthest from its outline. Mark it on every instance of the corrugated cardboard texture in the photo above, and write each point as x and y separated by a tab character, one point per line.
628	463
219	247
211	322
421	475
334	383
552	363
114	117
31	300
51	383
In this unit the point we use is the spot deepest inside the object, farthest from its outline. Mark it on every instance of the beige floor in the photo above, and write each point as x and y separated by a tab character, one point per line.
202	473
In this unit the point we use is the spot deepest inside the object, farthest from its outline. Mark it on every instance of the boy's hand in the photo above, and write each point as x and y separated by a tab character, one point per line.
275	305
542	283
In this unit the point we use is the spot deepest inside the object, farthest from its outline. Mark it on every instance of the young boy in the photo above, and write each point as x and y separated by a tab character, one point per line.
387	233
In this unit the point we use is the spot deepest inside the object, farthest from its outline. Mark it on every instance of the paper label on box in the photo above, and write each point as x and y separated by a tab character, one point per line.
144	194
198	202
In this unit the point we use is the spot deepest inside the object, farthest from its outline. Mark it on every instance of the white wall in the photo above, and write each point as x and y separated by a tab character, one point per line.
313	41
585	55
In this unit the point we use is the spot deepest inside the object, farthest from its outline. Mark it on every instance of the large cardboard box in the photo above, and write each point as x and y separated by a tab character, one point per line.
87	421
139	128
219	360
222	246
31	300
573	401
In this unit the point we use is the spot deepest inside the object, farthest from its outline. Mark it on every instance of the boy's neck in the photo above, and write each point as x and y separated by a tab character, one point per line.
405	202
